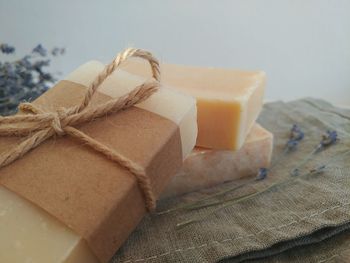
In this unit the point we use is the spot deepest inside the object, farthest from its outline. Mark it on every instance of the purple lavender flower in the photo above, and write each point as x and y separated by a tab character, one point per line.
296	133
58	51
24	79
292	144
7	49
329	138
262	174
25	62
38	65
39	49
55	51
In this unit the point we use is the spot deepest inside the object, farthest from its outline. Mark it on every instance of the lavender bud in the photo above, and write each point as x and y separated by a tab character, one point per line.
329	138
39	49
262	174
296	133
292	144
7	49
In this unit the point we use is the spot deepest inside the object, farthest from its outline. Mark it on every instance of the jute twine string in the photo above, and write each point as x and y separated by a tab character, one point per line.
38	125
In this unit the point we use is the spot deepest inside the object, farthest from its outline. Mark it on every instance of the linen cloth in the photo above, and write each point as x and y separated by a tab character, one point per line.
293	222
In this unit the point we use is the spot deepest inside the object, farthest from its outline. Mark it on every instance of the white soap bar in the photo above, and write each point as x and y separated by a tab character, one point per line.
168	103
205	168
30	235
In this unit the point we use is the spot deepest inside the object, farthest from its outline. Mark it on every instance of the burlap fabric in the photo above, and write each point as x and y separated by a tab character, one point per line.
305	220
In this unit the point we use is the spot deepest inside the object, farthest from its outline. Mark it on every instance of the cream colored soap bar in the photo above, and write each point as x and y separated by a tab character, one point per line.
30	235
228	101
205	168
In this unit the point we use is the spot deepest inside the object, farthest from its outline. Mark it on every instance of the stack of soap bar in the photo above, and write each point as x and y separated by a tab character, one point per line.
228	101
205	168
29	234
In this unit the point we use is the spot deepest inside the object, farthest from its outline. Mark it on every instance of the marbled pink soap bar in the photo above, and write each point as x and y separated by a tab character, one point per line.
205	168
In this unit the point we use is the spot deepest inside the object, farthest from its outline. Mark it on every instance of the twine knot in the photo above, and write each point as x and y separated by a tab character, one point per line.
40	125
56	123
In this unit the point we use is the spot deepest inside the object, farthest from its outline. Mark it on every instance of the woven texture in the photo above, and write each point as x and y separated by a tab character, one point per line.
287	219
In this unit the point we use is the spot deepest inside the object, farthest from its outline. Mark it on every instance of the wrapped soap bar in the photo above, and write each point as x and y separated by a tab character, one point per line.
66	202
228	101
205	168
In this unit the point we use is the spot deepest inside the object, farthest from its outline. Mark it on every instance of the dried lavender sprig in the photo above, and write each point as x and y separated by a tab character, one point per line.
197	202
233	201
229	202
226	203
200	203
24	79
296	135
322	167
328	139
262	174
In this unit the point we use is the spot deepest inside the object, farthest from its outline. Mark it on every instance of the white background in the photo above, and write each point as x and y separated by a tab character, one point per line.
303	45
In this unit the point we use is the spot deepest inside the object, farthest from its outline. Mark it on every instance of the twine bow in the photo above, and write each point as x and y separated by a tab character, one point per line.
39	125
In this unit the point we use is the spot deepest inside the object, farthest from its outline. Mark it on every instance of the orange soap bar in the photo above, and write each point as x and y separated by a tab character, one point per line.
228	101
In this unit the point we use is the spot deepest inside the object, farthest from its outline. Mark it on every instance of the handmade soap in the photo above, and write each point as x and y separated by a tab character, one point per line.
83	179
166	102
228	101
29	234
205	168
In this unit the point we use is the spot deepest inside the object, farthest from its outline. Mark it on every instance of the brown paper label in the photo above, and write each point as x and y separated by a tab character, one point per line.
95	197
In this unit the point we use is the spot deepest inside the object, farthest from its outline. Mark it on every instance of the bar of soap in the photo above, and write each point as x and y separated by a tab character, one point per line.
228	101
205	168
28	234
168	103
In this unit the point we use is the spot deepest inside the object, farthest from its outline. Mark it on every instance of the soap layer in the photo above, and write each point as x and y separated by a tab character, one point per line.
205	168
228	101
30	235
45	233
166	102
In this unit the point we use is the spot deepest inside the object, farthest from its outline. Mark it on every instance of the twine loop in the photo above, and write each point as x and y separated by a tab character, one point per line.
39	125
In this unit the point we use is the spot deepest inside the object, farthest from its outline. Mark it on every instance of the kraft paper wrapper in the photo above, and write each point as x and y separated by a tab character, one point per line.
95	197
